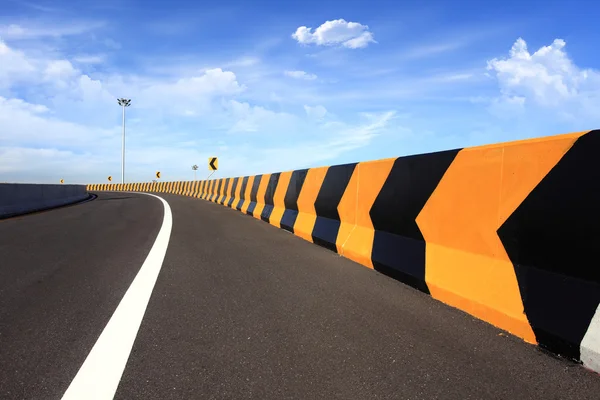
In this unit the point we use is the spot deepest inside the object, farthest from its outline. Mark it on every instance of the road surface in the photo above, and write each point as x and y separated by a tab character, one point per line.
240	310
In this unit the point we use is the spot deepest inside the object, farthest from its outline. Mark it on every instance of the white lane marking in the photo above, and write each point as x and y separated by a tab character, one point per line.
99	376
590	345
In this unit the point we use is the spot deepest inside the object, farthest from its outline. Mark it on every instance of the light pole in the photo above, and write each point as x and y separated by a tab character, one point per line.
195	168
123	103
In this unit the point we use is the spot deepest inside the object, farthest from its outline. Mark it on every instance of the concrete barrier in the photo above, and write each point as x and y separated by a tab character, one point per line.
508	233
19	198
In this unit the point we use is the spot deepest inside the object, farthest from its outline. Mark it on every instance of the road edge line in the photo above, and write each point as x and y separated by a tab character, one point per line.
100	374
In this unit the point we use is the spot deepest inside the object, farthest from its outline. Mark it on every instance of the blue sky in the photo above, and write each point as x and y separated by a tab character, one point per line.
268	86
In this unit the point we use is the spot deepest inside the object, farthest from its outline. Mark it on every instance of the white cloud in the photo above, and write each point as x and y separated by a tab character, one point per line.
38	7
27	159
17	68
430	50
14	65
59	69
89	59
17	31
86	98
358	136
547	78
33	124
193	93
546	88
248	118
12	30
18	104
452	77
112	44
49	165
211	81
300	75
352	35
71	117
242	62
336	138
316	112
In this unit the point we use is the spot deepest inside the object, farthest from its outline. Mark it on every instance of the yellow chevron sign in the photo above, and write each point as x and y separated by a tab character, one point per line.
213	163
158	174
62	181
110	178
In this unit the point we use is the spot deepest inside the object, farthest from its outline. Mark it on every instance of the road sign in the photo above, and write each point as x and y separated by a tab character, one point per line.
110	178
158	174
62	181
213	163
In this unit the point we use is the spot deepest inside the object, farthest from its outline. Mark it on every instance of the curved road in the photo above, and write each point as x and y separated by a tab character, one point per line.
240	310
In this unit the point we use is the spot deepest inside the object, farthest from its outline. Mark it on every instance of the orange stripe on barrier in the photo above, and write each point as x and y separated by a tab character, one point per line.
247	194
356	233
260	196
307	216
211	189
201	190
466	263
238	192
218	190
227	191
279	199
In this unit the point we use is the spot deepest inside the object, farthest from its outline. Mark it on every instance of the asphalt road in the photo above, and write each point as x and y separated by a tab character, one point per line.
241	310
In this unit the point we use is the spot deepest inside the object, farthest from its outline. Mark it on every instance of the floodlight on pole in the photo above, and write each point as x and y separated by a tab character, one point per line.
123	103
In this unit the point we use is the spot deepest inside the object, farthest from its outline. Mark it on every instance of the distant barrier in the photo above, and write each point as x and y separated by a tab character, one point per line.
509	233
22	198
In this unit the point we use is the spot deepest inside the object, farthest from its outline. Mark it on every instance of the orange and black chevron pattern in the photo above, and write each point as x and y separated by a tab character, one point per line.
506	232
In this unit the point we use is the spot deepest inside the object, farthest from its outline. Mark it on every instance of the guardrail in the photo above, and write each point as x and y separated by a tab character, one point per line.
22	198
508	232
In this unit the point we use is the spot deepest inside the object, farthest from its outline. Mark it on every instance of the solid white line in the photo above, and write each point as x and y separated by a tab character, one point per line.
99	376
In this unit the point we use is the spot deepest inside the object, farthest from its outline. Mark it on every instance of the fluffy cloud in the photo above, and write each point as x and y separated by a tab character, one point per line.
300	75
194	93
69	88
53	116
23	123
352	35
59	71
316	112
248	118
14	66
548	78
43	75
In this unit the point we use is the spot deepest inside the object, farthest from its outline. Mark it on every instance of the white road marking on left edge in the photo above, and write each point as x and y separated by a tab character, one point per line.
100	374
